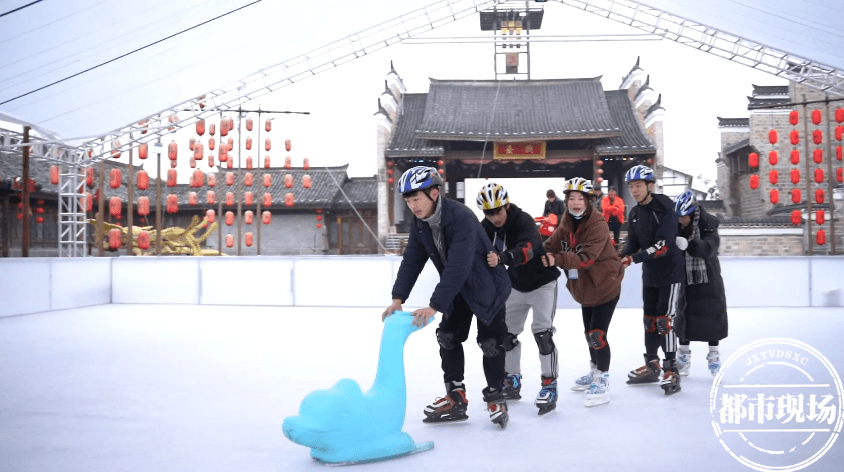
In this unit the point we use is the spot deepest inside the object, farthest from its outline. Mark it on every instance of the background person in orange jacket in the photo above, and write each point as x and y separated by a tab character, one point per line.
612	208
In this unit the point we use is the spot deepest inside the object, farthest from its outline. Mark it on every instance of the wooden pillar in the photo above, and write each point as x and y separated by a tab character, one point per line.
25	195
340	235
7	226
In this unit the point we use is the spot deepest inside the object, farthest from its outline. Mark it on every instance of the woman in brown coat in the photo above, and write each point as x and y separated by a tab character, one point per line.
583	248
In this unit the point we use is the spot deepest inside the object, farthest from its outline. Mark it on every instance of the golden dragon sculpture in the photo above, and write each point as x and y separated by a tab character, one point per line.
174	240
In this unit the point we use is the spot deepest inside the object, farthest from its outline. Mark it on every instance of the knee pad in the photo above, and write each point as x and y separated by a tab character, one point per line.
650	323
596	339
490	347
510	341
446	339
664	324
545	341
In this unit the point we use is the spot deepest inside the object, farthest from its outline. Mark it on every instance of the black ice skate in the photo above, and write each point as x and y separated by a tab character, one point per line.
546	400
647	374
670	381
513	386
497	406
448	409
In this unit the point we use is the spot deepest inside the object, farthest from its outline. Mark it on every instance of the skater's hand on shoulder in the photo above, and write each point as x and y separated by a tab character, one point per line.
548	260
422	315
395	306
493	259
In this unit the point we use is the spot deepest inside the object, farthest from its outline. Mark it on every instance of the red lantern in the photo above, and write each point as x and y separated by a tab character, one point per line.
599	162
20	216
820	217
143	180
306	181
211	197
249	124
820	237
198	151
192	200
143	240
306	163
249	162
172	150
319	218
773	157
772	136
268	125
199	178
39	219
173	164
441	171
839	176
793	117
172	203
795	176
248	144
211	216
795	156
267	161
319	225
171	177
115	206
39	210
225	126
54	175
288	199
229	199
212	144
268	199
775	196
211	129
115	178
391	163
143	206
796	196
817	155
287	162
268	180
839	115
247	179
211	160
753	159
773	177
230	164
229	240
229	178
200	127
212	180
266	217
391	180
114	237
89	175
287	145
754	181
819	196
268	144
390	171
817	136
115	144
839	133
795	137
144	124
192	162
230	144
839	153
173	119
247	198
816	117
248	238
795	217
191	143
247	217
229	218
819	175
288	180
87	202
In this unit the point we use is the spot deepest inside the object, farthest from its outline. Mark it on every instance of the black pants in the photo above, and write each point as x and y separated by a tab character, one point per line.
598	318
615	227
660	301
458	323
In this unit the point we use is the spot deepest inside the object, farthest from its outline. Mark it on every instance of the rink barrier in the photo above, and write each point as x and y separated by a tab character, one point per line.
35	285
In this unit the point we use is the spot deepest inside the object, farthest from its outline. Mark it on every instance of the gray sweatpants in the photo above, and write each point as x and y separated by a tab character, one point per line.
543	300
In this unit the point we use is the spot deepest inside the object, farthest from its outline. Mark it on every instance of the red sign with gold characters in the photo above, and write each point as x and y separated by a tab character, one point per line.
522	150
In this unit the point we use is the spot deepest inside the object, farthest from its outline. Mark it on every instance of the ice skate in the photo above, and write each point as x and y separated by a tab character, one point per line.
714	362
546	400
670	382
684	362
513	387
497	406
647	374
584	382
448	409
599	390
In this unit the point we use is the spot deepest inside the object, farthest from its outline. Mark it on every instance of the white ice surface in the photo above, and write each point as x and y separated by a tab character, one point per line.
206	388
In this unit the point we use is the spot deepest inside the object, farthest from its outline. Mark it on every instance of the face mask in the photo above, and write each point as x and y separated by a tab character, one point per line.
577	215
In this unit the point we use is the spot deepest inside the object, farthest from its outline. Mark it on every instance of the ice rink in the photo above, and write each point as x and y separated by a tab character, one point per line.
206	388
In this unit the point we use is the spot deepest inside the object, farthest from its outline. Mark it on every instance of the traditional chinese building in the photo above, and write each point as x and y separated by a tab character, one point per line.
521	128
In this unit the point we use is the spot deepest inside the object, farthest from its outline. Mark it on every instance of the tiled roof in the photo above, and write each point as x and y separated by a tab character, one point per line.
733	122
405	143
770	90
517	110
656	106
362	191
753	102
775	222
712	205
735	147
634	140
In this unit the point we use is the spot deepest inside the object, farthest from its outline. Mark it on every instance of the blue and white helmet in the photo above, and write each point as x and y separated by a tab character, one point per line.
640	173
419	178
685	204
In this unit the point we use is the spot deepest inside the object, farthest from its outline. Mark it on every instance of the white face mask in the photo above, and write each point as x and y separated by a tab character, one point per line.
577	215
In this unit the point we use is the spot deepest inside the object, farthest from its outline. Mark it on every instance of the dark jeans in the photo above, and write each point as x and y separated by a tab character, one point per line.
599	317
454	361
661	301
615	227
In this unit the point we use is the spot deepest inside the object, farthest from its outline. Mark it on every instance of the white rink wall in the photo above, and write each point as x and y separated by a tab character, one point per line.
34	285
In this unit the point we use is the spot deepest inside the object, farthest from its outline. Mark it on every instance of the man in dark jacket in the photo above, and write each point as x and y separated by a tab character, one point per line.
518	245
448	233
702	310
553	205
651	240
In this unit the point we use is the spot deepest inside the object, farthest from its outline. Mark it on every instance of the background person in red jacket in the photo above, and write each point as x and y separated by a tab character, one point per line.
613	209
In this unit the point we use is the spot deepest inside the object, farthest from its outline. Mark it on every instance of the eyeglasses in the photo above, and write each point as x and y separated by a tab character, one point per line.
493	211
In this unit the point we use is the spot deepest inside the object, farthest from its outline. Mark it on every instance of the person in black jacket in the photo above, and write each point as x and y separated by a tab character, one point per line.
553	205
652	241
449	234
518	246
702	309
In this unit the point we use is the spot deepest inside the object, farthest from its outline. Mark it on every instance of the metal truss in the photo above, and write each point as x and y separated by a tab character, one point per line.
719	43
